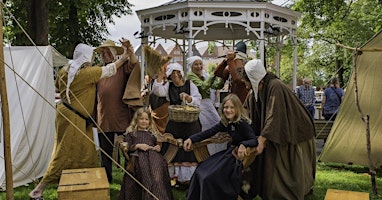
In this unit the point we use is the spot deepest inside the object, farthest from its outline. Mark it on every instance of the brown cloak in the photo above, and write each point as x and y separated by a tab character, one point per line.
286	168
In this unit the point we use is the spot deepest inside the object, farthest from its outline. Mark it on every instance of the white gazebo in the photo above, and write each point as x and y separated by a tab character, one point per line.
206	20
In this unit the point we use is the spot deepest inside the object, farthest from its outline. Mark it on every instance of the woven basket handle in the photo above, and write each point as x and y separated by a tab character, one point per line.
184	100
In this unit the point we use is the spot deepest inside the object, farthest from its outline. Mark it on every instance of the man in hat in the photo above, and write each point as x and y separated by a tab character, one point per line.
113	115
231	68
286	165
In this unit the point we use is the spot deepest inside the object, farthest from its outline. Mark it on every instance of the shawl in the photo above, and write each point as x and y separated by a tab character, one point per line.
281	115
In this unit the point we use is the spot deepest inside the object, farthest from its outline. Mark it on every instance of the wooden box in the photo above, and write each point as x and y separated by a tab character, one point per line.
333	194
84	184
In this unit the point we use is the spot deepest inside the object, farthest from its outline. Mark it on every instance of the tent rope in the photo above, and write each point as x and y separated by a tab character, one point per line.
54	107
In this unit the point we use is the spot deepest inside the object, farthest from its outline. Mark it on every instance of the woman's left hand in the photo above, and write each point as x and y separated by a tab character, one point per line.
185	96
241	152
156	148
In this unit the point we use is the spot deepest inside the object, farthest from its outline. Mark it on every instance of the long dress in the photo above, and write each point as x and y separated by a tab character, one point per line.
72	149
183	165
184	162
286	168
219	176
150	169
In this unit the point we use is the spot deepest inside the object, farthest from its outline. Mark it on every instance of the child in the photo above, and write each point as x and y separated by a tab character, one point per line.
219	177
150	168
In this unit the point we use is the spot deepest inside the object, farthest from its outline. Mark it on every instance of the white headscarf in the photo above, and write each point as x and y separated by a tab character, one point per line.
256	72
174	66
191	60
82	54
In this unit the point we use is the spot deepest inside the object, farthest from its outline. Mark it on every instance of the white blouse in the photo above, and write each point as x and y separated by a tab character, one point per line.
161	90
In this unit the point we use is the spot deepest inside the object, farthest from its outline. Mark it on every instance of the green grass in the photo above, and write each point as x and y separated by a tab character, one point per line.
329	175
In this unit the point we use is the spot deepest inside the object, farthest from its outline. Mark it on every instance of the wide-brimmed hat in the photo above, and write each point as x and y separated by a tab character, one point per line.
109	43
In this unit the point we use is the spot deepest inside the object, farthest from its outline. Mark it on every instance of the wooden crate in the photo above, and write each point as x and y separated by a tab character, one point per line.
333	194
84	184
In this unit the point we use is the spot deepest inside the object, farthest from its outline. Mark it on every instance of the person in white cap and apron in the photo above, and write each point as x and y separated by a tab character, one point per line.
175	90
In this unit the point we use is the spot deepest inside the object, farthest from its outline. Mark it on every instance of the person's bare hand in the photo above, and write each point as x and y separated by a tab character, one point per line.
126	44
156	148
187	144
241	152
144	147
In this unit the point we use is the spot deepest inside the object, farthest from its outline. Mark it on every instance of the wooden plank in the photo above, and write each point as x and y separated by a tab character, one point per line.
84	184
323	128
332	194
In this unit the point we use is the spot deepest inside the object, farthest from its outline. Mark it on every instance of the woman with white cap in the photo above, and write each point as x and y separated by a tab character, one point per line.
77	86
286	166
175	90
208	115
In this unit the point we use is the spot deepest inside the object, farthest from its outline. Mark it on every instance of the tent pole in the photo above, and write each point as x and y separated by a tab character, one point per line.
5	115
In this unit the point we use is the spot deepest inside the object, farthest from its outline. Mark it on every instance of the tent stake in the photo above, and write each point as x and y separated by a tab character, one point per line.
5	115
365	119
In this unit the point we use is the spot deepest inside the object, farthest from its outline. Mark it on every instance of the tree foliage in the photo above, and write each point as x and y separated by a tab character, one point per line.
70	21
325	23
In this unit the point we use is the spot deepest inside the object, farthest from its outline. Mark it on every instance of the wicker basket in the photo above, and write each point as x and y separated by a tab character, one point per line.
181	113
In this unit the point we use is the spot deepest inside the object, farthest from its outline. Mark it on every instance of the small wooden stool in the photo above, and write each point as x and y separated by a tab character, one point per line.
84	184
333	194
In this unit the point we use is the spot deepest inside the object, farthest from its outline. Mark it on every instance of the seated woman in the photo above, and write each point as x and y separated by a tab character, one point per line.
176	90
208	115
219	177
148	165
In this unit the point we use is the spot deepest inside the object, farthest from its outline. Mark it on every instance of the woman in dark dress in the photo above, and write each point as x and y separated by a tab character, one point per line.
219	177
183	165
150	168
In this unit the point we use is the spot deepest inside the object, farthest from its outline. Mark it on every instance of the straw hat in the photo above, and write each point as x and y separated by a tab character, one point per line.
109	43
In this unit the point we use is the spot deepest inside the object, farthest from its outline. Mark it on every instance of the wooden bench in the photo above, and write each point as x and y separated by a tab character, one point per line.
323	128
333	194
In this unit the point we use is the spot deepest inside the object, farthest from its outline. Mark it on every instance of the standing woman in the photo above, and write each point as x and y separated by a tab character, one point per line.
208	115
175	90
77	86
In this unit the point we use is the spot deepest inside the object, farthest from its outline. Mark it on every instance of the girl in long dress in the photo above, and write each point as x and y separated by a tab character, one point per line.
220	175
149	168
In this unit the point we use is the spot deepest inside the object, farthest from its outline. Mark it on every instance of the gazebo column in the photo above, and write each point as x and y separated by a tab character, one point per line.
262	42
144	41
294	63
278	55
189	42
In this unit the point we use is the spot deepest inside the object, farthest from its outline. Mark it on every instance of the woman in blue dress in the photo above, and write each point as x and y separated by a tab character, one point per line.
219	176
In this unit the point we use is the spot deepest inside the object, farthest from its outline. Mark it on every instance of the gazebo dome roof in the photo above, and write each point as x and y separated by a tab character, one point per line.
217	20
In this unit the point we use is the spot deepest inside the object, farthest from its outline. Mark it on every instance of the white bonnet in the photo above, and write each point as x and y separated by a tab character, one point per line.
256	72
82	54
191	60
174	66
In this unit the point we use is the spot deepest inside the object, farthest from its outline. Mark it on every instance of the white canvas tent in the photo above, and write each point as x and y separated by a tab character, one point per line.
31	114
347	140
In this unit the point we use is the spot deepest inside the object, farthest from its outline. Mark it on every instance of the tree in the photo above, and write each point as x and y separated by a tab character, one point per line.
70	21
324	23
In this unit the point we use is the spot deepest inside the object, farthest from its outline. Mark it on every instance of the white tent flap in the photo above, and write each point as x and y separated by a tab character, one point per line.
32	111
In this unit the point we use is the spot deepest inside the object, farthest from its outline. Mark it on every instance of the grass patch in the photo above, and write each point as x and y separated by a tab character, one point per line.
329	175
